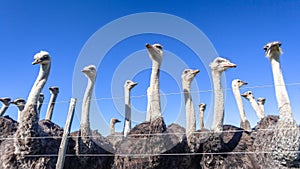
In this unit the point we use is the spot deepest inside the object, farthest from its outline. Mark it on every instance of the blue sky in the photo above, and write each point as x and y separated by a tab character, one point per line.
237	30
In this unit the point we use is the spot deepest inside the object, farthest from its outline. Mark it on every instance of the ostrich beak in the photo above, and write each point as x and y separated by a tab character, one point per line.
148	45
196	71
244	83
35	62
118	121
244	95
134	84
230	65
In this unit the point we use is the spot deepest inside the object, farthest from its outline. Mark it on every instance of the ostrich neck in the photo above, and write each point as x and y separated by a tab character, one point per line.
3	109
262	108
28	116
38	85
201	116
127	123
51	106
239	103
154	108
218	102
280	89
85	122
20	109
112	128
189	108
256	108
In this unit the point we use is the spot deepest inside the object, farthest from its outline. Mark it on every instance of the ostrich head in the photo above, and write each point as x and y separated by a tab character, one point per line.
188	75
155	52
202	106
261	100
42	57
237	83
19	102
248	95
54	89
273	48
90	71
5	101
114	121
129	84
221	64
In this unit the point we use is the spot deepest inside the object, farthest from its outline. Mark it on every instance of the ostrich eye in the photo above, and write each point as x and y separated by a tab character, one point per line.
239	81
159	47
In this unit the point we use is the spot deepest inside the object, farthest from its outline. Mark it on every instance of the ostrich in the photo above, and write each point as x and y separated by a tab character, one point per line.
147	140
218	144
202	108
86	141
5	104
218	66
282	139
20	103
127	88
187	77
54	90
113	121
153	108
250	97
18	152
261	103
115	137
236	84
40	102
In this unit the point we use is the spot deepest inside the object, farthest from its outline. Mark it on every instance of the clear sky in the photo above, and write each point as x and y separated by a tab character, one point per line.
237	30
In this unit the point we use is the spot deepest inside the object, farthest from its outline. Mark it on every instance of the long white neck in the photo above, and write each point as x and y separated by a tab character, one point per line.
239	102
201	118
85	121
282	97
189	108
112	128
154	108
262	108
34	95
218	102
3	109
38	85
256	108
127	123
51	106
20	109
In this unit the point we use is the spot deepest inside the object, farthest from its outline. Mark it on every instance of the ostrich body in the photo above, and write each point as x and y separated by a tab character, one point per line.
236	84
261	103
113	121
127	123
218	66
40	102
20	103
154	108
54	90
187	77
202	108
250	97
5	104
282	139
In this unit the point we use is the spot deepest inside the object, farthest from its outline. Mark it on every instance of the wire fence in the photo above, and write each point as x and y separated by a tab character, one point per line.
180	93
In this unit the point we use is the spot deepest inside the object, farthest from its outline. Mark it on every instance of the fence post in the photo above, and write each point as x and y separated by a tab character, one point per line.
64	140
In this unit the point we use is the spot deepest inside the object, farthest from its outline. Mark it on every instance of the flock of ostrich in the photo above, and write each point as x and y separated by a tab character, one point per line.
273	143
